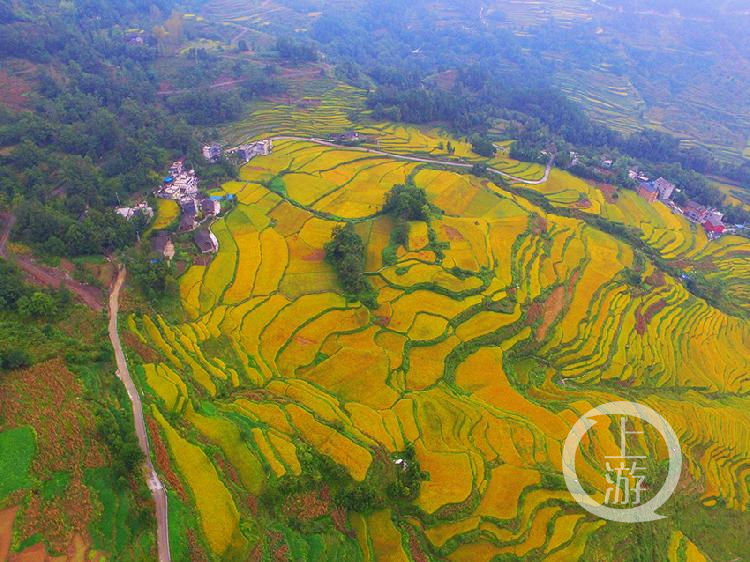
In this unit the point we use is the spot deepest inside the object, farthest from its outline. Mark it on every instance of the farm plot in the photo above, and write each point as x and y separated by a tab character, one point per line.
497	325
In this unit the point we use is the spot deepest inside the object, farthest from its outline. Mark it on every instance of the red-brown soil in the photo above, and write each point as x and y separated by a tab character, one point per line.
642	320
552	308
47	397
162	459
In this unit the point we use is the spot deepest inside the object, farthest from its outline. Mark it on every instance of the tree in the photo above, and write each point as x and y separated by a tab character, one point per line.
479	169
407	202
346	253
13	358
11	285
482	146
242	45
295	51
37	305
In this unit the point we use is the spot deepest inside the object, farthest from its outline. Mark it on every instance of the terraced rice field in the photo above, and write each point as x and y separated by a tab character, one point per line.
314	105
167	212
735	195
607	96
497	327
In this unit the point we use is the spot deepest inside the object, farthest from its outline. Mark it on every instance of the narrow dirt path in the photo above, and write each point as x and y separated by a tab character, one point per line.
154	484
464	165
214	86
47	276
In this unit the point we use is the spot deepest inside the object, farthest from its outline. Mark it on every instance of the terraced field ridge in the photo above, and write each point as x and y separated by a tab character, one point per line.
285	420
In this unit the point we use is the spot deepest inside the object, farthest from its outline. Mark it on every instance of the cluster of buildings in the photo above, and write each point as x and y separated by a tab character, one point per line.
349	138
662	190
246	152
658	189
181	185
710	219
139	209
212	152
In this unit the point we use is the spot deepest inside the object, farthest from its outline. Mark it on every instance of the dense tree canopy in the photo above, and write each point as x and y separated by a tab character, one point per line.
407	202
346	253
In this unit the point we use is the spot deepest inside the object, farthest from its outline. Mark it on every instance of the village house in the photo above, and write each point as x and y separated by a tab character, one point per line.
247	152
665	188
695	212
206	241
188	207
349	136
161	243
212	153
635	174
652	190
134	37
648	191
713	225
210	207
189	212
187	222
180	185
140	209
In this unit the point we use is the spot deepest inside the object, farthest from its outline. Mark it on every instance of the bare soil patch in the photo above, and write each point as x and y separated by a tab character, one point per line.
552	308
146	353
642	320
14	90
47	396
162	459
609	191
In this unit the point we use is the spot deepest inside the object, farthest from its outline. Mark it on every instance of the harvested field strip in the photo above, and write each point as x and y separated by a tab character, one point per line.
218	514
222	269
226	435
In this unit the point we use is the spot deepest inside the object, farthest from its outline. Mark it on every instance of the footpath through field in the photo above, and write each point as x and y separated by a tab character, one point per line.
323	142
154	484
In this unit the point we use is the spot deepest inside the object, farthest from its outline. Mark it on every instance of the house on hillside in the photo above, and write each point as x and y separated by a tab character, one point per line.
131	212
206	241
187	222
135	37
211	152
695	212
648	191
665	188
247	152
188	207
713	225
161	243
210	207
349	136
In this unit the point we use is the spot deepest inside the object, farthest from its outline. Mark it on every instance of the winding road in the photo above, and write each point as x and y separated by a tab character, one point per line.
154	484
453	163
